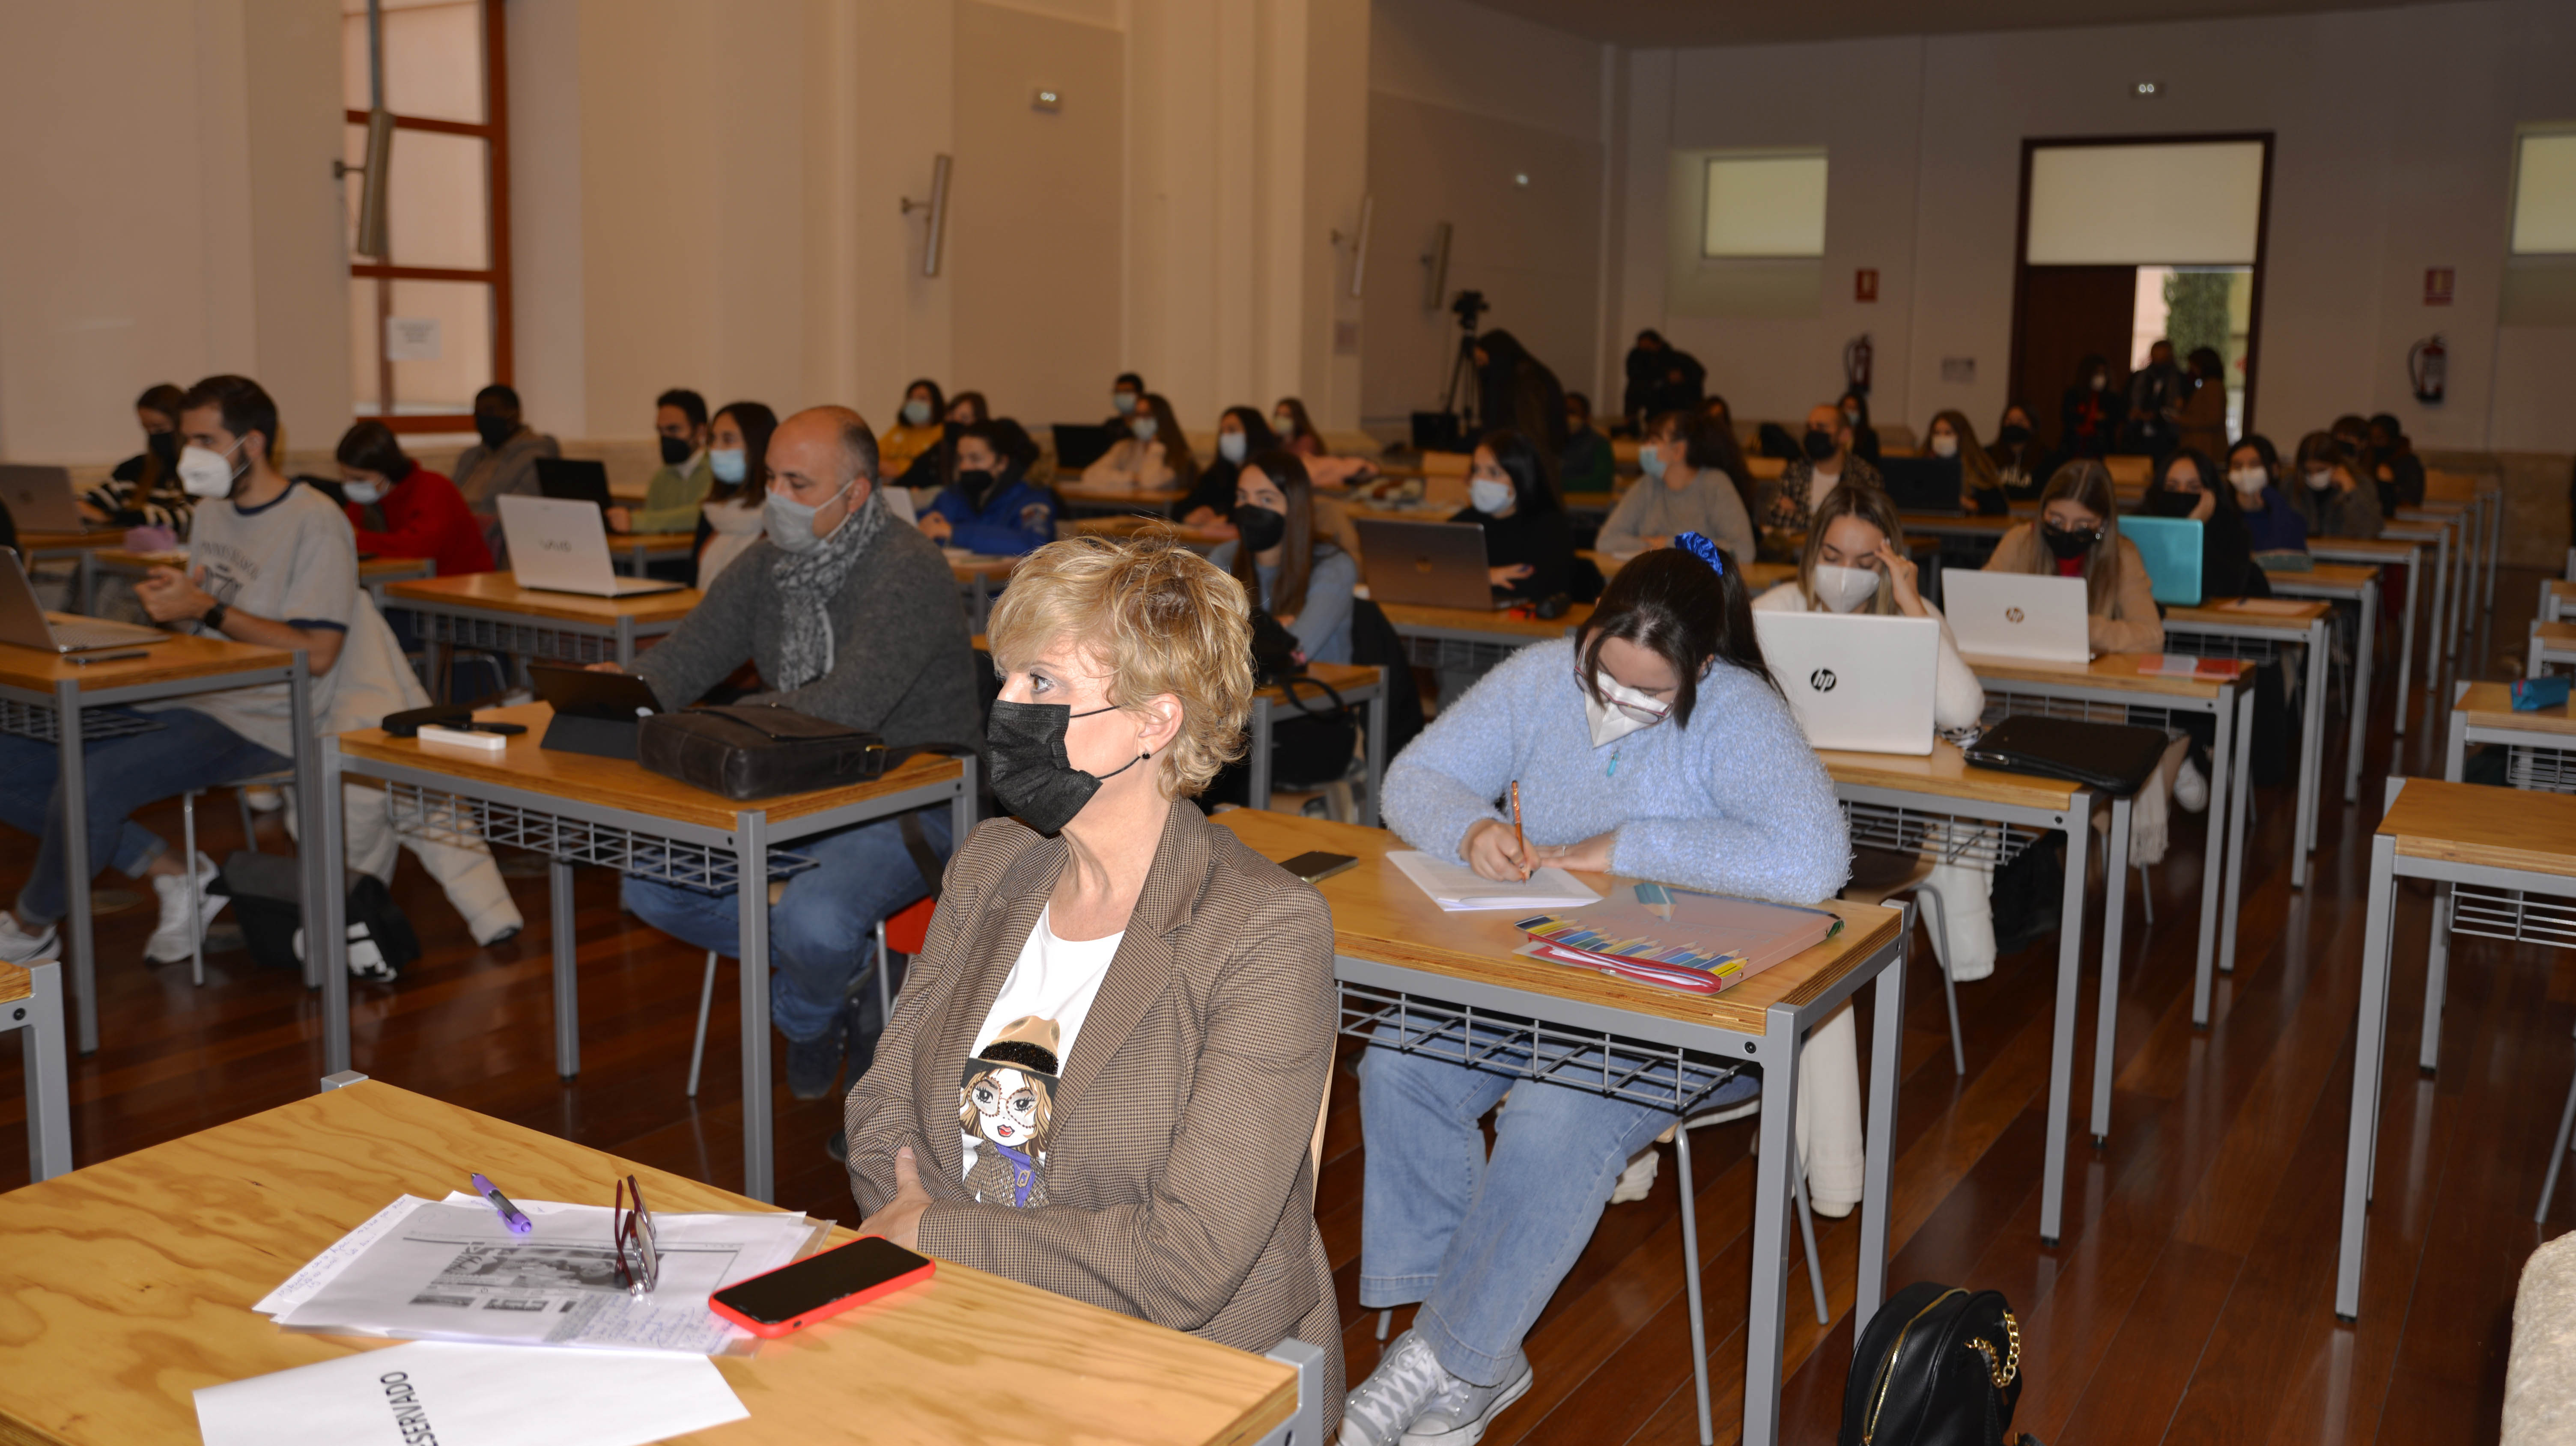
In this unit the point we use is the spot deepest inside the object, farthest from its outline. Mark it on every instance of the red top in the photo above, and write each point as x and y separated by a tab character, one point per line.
425	516
2071	566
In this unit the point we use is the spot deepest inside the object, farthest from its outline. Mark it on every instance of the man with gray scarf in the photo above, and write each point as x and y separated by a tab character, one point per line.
853	616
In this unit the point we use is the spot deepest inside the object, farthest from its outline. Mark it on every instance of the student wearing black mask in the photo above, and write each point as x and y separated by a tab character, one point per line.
504	462
144	489
2399	472
2190	487
2089	416
1864	437
992	508
674	494
2019	458
1828	463
1289	566
2078	535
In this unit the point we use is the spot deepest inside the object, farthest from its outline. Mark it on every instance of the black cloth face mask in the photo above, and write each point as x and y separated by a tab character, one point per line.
675	450
1820	445
1032	776
2163	503
1263	528
2013	436
494	431
2068	544
977	486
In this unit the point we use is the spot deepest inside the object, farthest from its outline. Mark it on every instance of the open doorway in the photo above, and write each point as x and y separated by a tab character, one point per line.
2129	240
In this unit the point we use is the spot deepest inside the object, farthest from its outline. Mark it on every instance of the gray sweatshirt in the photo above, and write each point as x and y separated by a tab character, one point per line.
1708	506
903	664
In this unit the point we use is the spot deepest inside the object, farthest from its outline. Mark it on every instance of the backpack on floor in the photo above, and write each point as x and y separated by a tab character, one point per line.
1938	1366
267	894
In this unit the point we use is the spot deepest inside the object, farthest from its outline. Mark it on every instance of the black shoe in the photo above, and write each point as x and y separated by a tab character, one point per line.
838	1147
814	1065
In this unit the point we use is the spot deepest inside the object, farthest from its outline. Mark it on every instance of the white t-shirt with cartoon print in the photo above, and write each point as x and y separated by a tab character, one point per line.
1053	979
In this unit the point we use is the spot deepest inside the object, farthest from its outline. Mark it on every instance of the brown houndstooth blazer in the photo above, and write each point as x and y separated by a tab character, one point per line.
1179	1188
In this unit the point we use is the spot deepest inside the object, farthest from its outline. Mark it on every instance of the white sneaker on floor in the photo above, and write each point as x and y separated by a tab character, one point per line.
1459	1414
1638	1180
1379	1410
2191	787
17	946
262	798
176	936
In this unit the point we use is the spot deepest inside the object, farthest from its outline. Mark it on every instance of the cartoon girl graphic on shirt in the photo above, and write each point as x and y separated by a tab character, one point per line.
1005	1100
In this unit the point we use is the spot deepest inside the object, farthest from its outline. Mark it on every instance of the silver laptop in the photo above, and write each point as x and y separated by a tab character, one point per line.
1860	682
41	499
1426	564
559	545
2018	615
25	623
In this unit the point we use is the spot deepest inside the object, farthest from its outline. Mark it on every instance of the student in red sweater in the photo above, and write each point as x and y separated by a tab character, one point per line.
402	509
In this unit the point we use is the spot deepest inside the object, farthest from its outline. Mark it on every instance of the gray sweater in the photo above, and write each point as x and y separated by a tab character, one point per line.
902	662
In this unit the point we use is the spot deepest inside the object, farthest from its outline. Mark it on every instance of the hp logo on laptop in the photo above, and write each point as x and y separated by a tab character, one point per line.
2012	615
1822	680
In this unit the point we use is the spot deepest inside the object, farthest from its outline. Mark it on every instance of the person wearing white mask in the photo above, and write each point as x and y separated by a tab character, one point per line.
1528	550
916	429
1652	745
852	617
400	508
272	564
729	520
1126	398
1856	562
1241	434
1691	484
1952	437
672	494
2253	469
1155	453
2328	492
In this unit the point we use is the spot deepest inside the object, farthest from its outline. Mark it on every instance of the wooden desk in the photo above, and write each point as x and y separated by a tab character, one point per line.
81	548
53	700
2558	600
1473	640
640	548
133	1281
1759	577
31	1002
977	577
1080	495
491	612
577	808
2552	645
2491	841
2383	552
2218	629
1398	954
2452	520
1355	684
2359	585
373	572
1941	804
2110	689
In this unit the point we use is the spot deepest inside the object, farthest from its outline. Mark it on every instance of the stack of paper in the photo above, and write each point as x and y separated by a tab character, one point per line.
462	1395
1459	889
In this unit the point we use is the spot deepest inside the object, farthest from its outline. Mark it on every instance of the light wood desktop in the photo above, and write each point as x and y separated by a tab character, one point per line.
1946	772
500	592
2469	824
130	1285
2484	713
2553	645
1153	499
2111	670
2558	600
1498	622
179	657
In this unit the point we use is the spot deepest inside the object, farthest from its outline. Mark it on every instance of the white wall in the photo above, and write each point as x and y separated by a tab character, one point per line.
2393	139
171	214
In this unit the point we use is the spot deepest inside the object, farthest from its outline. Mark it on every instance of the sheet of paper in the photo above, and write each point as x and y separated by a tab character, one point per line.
454	1272
465	1395
300	1286
1459	889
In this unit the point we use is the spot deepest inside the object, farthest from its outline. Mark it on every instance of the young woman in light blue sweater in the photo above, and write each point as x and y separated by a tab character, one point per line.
1653	745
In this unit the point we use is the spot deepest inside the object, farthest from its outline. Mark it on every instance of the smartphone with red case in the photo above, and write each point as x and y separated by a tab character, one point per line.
822	1284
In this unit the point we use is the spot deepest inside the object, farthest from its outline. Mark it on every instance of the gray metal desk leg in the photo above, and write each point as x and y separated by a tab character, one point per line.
1306	1427
49	1090
2312	734
327	917
2406	641
2239	804
625	642
2222	754
751	905
2437	640
75	791
2106	1013
2437	977
2061	1046
85	581
567	976
1878	1165
319	870
2367	640
2368	1045
1766	1310
1256	762
1376	752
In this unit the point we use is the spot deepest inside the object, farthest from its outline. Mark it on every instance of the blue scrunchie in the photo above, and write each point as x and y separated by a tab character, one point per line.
1703	549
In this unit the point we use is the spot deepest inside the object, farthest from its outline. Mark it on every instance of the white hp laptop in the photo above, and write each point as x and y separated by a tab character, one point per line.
26	624
41	499
2018	615
561	545
1859	682
1426	564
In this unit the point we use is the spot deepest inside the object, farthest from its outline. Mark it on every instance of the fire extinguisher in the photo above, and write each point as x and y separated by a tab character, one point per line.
2426	361
1856	364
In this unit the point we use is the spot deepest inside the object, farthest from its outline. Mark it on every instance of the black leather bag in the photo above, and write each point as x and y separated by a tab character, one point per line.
1938	1366
758	750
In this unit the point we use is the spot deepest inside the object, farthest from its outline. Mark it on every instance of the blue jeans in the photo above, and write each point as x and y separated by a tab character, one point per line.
189	750
1483	1243
822	930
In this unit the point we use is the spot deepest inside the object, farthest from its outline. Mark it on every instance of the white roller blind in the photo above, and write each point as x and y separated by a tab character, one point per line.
1762	206
2146	205
2544	195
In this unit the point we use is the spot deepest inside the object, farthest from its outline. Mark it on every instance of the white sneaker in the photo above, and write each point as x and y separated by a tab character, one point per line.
1638	1180
2191	787
1459	1414
1379	1410
17	946
262	798
176	936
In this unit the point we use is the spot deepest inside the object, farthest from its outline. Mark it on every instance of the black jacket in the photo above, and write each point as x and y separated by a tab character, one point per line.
1539	538
1662	381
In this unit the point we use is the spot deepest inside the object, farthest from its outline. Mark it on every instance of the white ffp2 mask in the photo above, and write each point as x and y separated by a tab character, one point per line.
206	474
1614	710
1843	589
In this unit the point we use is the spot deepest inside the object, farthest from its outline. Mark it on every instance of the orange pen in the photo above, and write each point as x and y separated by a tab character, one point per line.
1520	844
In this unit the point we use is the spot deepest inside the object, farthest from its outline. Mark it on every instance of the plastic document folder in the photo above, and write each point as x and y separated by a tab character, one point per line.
1677	938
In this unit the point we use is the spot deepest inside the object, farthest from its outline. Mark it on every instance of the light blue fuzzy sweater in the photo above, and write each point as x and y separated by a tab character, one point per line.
1735	803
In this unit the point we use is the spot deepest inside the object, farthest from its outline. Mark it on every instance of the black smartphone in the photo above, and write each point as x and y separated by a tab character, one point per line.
823	1284
407	723
1318	866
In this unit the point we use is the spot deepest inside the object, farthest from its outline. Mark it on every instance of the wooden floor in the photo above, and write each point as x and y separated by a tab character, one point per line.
2189	1302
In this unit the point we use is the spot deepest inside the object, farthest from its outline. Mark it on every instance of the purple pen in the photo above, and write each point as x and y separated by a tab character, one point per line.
519	1224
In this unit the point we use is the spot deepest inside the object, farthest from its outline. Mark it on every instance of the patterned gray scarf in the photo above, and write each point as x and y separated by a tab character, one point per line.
807	582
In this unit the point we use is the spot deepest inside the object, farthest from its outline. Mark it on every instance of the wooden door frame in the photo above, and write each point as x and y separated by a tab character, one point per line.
2262	242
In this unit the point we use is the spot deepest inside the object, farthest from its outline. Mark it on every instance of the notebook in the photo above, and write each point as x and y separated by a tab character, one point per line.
1460	889
1677	938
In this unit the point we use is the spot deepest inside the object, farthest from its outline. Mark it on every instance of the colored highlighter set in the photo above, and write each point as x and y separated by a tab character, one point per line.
1676	938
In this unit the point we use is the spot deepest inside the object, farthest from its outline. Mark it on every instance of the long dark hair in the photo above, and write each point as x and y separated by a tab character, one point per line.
1305	442
1257	436
1519	458
1709	441
162	397
1286	471
757	422
938	402
1676	606
370	446
1176	443
2262	448
2213	479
